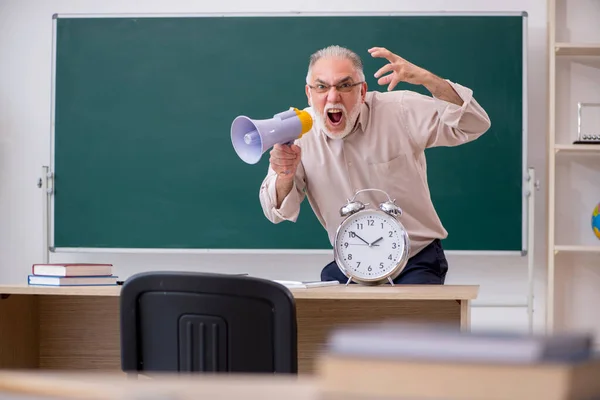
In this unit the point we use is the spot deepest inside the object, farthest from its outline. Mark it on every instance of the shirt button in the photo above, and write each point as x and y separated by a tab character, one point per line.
349	164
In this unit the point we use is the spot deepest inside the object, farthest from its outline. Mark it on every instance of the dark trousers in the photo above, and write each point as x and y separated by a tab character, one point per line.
429	266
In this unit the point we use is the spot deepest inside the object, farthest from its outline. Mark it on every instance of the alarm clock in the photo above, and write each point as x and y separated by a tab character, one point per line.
371	245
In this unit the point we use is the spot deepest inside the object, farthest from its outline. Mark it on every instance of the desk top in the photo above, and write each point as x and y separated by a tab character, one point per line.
84	385
341	292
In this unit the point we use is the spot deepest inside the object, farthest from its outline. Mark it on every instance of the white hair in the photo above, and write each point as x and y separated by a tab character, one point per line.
335	51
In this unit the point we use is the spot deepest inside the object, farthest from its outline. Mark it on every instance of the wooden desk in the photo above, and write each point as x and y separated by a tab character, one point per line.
86	385
383	380
78	327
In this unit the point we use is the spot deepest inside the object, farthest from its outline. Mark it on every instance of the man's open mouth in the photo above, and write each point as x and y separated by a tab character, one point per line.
334	115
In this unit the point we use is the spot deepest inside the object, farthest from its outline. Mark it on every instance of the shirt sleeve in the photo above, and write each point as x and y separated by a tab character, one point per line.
290	207
434	122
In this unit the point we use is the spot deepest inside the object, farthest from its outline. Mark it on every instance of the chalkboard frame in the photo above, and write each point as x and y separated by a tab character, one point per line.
49	214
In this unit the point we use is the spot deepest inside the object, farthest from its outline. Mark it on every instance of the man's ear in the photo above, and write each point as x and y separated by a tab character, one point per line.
363	91
307	90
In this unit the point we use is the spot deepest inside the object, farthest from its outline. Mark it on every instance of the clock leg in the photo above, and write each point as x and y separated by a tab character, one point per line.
349	280
390	280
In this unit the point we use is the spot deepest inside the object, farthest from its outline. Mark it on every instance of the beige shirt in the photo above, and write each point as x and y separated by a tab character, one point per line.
385	151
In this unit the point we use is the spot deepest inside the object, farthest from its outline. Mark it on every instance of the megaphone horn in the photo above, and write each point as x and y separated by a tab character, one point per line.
251	138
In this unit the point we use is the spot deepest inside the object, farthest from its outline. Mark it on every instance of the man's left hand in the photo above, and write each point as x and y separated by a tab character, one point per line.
401	70
404	71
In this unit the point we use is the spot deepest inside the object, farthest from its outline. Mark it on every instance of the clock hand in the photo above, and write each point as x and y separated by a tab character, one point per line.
360	238
376	241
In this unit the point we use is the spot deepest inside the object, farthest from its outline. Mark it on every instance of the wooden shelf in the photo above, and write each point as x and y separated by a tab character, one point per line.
577	249
573	65
577	148
577	49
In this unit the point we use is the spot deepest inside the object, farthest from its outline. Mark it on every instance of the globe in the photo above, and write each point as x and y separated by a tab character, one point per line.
596	220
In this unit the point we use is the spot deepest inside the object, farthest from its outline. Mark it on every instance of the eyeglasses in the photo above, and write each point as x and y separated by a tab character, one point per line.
344	87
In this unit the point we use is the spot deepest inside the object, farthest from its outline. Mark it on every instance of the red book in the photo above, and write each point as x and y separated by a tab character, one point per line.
72	269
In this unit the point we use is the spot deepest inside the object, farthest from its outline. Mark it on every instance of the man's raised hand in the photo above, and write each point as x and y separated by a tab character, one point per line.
400	69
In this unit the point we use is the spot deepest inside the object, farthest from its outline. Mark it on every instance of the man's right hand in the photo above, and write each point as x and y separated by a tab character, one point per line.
284	161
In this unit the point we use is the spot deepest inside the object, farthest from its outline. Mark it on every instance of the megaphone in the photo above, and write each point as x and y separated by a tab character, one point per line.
251	138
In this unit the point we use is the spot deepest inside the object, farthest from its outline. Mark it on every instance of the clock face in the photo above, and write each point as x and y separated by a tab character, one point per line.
370	244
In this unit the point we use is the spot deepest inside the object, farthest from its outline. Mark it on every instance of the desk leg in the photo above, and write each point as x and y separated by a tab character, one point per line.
465	315
19	332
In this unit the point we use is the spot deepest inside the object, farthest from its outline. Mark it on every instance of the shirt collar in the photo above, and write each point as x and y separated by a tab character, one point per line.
363	117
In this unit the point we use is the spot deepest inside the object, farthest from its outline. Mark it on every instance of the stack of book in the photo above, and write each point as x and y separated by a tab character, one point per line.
413	361
72	274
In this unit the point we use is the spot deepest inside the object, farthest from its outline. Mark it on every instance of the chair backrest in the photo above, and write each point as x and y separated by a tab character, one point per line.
203	322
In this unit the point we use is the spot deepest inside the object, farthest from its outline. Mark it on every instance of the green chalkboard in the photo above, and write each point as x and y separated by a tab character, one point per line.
142	156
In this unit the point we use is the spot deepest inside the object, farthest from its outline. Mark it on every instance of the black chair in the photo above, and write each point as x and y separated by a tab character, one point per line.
202	322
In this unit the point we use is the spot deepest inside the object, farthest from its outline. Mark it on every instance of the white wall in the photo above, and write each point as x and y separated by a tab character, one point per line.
25	66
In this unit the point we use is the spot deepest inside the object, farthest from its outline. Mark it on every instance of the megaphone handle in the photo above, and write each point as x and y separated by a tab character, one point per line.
287	171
